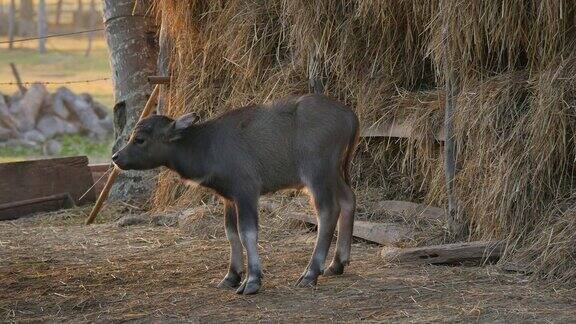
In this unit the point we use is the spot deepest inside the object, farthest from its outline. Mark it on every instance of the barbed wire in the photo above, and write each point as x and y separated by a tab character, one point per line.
55	82
52	35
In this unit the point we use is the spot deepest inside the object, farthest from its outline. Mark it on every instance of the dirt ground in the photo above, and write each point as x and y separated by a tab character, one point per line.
53	268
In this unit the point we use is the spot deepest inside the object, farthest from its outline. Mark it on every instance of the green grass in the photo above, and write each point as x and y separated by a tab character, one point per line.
64	61
97	151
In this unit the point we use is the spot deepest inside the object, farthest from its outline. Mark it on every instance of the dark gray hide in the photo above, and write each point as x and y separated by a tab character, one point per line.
297	142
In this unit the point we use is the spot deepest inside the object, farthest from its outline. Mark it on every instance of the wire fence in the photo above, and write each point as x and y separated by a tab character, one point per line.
52	35
56	82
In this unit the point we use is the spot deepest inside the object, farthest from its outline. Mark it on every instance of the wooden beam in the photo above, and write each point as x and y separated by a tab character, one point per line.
381	233
396	128
157	79
478	251
407	208
23	208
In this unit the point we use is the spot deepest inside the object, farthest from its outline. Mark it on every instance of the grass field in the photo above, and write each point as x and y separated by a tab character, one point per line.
64	61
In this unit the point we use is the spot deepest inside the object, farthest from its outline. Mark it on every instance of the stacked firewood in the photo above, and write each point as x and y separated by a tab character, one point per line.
34	117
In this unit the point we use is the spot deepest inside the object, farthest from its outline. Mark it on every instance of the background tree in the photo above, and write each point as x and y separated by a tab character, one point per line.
131	37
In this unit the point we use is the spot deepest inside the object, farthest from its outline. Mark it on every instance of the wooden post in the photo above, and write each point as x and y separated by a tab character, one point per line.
92	22
455	223
163	62
314	75
21	86
42	26
11	23
106	190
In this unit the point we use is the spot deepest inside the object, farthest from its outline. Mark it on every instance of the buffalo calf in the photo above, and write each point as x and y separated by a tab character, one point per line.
297	142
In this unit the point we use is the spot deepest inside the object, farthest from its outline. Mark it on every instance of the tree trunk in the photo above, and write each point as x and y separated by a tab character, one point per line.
11	23
78	22
92	22
26	21
133	48
42	26
58	12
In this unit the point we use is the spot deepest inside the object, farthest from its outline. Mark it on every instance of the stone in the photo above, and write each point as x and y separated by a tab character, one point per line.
34	136
52	147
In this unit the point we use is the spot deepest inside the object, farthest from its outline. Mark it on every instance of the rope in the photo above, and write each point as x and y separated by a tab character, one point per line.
53	35
54	82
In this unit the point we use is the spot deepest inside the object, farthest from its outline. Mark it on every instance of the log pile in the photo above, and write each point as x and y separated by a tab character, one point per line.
34	117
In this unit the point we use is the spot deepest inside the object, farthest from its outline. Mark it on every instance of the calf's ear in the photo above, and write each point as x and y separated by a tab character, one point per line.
179	125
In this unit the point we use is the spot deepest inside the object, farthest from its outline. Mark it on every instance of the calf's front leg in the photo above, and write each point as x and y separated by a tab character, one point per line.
247	208
234	275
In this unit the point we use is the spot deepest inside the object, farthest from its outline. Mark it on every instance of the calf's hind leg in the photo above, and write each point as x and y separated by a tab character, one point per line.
347	201
248	225
234	275
327	207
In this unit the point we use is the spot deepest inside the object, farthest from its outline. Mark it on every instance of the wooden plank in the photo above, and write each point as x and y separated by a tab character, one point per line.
14	210
396	128
477	251
99	167
407	208
381	233
40	178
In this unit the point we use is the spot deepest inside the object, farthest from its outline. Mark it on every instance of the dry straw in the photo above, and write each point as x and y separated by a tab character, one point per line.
515	118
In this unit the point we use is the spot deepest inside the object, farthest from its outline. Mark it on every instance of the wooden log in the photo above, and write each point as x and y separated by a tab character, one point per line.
381	233
406	208
34	179
23	208
82	109
447	253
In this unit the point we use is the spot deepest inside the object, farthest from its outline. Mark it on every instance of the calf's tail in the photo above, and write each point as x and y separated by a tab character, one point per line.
350	150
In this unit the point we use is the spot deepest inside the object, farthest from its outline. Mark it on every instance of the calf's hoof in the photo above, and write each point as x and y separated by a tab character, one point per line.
307	280
231	281
335	269
249	287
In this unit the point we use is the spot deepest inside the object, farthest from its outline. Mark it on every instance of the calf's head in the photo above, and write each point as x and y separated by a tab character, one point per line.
154	140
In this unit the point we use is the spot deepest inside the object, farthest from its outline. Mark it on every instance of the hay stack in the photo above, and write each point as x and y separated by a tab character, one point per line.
515	117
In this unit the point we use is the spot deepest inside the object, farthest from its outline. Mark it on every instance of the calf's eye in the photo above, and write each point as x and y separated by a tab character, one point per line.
139	141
